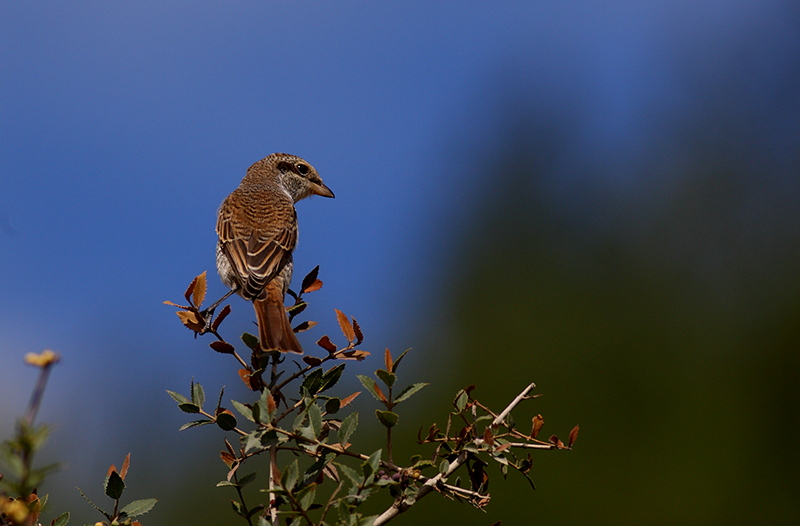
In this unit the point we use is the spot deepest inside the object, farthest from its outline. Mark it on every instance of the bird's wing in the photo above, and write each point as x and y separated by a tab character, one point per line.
257	247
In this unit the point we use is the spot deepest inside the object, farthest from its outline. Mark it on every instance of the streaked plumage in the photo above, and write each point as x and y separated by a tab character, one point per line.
257	231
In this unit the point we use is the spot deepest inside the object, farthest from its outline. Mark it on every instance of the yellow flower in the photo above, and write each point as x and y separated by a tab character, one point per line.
43	359
15	510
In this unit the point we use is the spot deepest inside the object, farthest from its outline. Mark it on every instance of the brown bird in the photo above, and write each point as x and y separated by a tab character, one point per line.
257	230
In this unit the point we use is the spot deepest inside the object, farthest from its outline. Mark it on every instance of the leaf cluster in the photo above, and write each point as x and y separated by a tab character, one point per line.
113	487
23	507
316	476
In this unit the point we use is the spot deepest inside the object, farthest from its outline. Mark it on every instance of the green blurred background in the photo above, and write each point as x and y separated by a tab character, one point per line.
601	198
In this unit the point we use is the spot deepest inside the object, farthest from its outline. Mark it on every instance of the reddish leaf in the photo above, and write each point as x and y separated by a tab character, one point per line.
184	307
227	458
296	309
310	278
112	468
352	355
432	432
327	344
331	472
557	441
191	320
488	437
190	290
221	316
359	334
316	285
199	290
349	399
271	405
232	472
478	477
222	347
538	422
125	465
347	327
463	433
229	447
313	361
573	436
387	358
503	447
304	326
247	377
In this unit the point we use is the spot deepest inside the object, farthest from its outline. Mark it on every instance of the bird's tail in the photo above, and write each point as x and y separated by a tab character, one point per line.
274	328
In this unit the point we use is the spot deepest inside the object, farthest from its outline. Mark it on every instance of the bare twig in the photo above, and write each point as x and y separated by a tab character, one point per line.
401	505
273	474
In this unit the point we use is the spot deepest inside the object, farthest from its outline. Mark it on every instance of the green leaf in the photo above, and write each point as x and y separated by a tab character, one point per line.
198	395
387	377
331	377
332	405
315	419
461	400
501	459
226	420
509	422
420	464
238	508
315	469
299	420
260	439
347	427
308	499
387	418
195	423
219	400
92	504
139	507
250	340
290	476
36	476
114	485
189	408
351	474
247	479
178	397
406	393
397	360
62	519
254	510
243	410
37	436
371	386
261	409
372	464
444	466
312	382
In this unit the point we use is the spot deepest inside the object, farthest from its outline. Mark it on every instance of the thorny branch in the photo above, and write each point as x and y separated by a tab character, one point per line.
401	505
291	492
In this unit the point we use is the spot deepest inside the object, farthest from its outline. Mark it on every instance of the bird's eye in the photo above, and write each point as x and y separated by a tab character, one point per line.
302	169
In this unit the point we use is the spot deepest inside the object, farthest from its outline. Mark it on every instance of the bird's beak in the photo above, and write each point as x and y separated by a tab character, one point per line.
321	189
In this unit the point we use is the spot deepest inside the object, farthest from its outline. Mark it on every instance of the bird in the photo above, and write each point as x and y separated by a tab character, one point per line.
257	232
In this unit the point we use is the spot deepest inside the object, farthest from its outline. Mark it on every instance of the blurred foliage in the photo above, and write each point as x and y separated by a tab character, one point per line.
666	321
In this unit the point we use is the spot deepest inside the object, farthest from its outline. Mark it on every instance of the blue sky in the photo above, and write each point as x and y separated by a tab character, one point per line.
123	126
